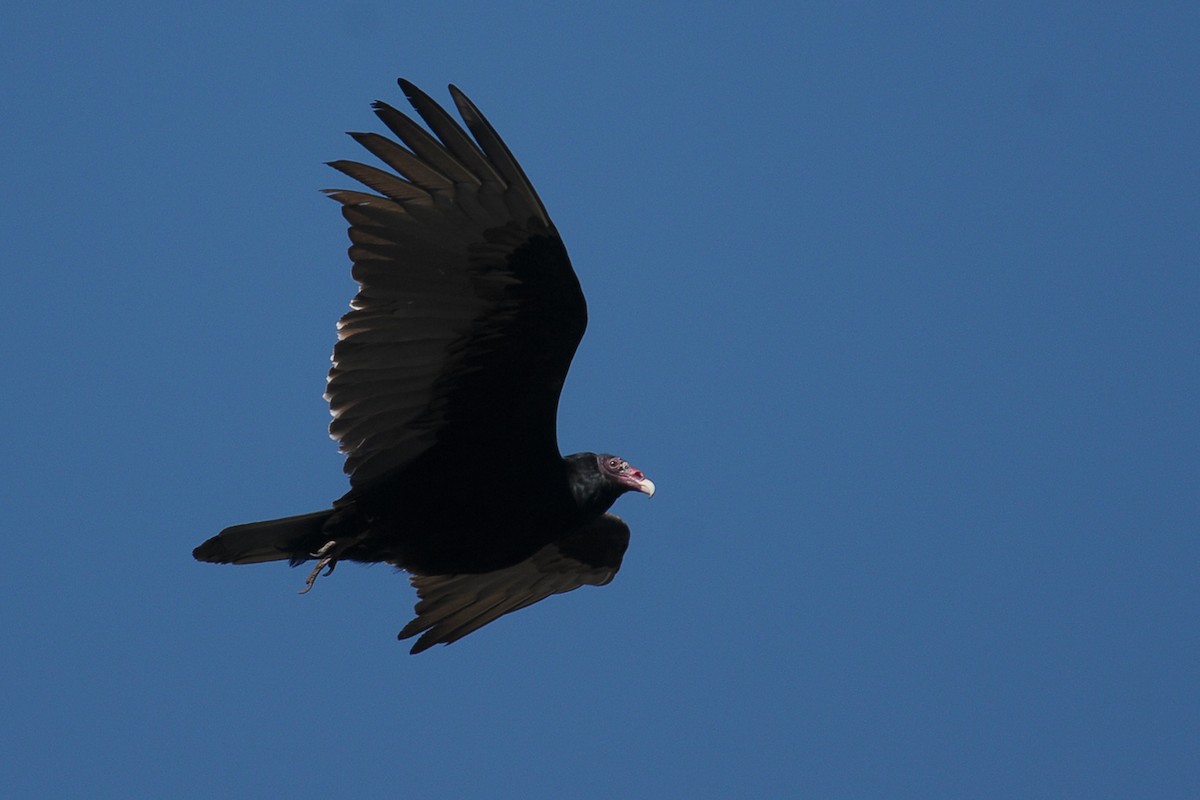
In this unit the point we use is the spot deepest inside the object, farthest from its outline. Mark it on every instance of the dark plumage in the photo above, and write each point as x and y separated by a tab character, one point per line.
444	390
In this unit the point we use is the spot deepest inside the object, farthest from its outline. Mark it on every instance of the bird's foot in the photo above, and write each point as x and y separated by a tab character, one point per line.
327	557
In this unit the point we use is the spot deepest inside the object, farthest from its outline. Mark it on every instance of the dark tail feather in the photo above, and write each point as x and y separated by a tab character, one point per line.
291	538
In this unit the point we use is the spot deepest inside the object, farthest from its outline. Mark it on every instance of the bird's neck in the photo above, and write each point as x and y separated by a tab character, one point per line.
592	492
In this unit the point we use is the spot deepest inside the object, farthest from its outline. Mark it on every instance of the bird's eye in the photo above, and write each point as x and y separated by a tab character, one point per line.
614	463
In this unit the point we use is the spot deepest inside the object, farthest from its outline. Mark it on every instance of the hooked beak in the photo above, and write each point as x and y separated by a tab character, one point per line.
641	483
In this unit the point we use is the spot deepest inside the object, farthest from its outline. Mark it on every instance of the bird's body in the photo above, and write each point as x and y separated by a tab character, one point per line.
445	388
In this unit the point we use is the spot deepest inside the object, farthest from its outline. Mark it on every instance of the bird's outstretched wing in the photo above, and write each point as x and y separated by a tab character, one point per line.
468	311
451	606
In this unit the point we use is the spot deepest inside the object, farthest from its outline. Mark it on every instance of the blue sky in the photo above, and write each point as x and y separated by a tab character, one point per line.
896	304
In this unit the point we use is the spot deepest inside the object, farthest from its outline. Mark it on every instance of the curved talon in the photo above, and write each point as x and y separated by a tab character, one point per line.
312	576
327	559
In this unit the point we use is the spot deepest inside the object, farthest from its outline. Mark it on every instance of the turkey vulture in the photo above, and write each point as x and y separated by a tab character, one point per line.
444	389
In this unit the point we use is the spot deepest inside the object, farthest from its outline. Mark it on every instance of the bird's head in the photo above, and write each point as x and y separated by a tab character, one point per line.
626	476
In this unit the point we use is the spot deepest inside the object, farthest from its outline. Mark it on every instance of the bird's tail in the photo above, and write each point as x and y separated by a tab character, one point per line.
290	538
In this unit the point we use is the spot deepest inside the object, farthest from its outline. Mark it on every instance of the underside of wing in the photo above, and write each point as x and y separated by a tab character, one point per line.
451	606
468	311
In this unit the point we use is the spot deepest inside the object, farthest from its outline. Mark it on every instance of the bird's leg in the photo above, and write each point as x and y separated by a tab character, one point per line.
328	555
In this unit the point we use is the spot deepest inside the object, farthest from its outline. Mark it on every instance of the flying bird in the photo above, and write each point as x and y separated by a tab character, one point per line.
444	389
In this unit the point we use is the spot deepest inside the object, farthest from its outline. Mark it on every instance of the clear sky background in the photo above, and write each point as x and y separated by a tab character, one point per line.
899	305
